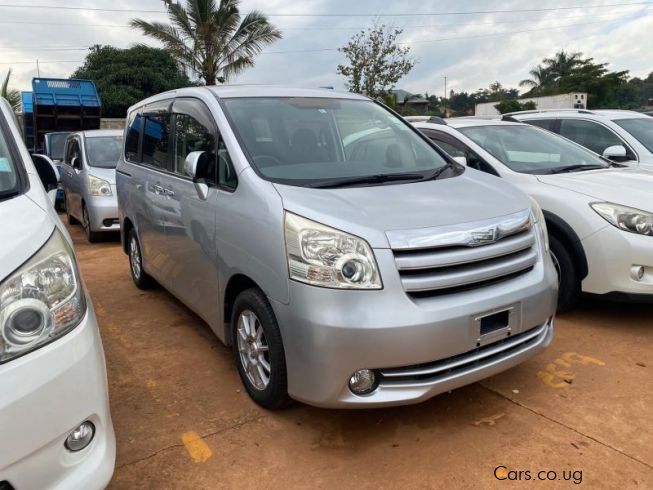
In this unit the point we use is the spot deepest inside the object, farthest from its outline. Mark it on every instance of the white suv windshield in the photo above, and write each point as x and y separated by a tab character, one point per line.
317	141
531	150
9	184
641	129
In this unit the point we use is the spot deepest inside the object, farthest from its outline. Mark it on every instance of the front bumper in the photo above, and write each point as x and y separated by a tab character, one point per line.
611	253
46	394
328	334
103	213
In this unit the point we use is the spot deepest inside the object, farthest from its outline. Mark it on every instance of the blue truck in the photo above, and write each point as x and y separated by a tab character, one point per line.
55	108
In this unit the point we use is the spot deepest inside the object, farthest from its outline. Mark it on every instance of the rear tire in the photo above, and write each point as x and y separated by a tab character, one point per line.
69	217
258	350
141	279
568	278
91	236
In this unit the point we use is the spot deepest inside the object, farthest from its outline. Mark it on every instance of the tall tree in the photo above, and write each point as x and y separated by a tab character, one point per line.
375	61
562	64
212	40
540	79
125	76
12	95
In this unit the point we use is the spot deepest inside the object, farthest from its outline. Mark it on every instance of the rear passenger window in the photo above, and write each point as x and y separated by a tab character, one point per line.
542	123
133	135
156	135
589	134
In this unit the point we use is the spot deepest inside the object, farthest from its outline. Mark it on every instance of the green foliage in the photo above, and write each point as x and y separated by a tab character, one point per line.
513	105
12	95
126	76
375	61
212	40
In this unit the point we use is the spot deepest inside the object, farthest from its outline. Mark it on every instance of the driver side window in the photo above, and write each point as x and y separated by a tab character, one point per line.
72	151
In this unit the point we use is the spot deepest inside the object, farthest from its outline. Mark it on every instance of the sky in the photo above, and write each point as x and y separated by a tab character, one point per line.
447	38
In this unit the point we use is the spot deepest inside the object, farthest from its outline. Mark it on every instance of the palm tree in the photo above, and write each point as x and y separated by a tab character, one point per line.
12	96
211	39
562	64
541	79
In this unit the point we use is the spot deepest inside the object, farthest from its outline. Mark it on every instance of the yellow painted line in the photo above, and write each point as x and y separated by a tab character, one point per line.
196	447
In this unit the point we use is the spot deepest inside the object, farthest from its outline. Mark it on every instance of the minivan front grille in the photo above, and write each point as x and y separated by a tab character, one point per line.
477	358
464	259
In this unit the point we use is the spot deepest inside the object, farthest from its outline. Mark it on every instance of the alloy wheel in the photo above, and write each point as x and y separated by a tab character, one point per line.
253	350
135	258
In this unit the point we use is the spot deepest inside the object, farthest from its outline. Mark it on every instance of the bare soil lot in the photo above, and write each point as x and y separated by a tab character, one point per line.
581	411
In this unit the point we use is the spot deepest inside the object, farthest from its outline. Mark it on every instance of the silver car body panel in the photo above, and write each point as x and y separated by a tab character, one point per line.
198	248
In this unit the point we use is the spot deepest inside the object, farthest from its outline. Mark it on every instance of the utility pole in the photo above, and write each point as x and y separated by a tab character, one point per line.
445	96
38	69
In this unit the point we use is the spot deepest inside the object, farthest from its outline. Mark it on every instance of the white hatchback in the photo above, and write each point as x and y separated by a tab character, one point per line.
599	214
55	426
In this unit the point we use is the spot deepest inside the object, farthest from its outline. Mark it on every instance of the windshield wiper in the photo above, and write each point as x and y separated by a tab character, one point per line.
573	168
366	179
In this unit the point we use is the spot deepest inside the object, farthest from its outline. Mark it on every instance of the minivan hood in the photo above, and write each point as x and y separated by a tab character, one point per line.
625	186
25	229
369	212
108	174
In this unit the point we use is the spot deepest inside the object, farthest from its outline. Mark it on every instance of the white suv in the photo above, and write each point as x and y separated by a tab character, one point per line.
622	136
599	214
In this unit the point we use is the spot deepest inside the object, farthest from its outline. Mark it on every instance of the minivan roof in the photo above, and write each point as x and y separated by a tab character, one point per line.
233	91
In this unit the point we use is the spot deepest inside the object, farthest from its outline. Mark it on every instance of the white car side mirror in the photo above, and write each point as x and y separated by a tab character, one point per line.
195	166
616	152
48	174
461	160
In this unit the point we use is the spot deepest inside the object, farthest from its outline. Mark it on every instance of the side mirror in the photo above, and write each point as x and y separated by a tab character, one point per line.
196	166
48	174
75	163
461	160
616	152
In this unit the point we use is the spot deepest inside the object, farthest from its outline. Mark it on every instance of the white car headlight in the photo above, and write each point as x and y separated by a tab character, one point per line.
41	301
625	218
326	257
540	223
98	186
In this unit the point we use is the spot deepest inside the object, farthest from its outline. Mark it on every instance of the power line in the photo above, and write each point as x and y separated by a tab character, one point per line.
414	14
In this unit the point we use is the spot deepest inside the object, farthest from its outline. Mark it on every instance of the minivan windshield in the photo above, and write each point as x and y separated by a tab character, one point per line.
640	128
103	151
530	150
329	142
9	183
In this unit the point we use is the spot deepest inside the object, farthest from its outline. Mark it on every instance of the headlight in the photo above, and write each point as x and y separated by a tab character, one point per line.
625	218
41	301
98	186
540	222
327	257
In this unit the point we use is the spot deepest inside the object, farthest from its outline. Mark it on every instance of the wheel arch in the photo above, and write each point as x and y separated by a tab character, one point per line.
125	228
565	233
237	284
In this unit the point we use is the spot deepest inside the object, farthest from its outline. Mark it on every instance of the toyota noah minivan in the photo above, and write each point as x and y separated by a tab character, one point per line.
346	259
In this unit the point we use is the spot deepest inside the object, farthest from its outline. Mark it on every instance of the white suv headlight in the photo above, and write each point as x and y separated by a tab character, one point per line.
538	219
625	218
326	257
41	301
98	186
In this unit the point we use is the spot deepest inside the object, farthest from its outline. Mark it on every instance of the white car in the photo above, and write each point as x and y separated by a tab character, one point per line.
599	216
622	136
55	426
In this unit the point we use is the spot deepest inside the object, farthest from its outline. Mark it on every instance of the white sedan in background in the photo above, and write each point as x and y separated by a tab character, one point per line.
599	214
55	426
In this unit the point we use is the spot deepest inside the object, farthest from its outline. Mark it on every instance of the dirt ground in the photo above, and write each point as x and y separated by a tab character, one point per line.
578	414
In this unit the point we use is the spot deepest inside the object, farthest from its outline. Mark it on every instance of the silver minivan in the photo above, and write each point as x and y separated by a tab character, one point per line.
347	260
88	178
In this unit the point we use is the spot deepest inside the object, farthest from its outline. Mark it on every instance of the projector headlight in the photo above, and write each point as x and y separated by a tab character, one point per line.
326	257
540	223
98	186
41	301
625	218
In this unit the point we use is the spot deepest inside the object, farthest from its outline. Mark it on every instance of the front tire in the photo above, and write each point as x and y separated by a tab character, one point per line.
258	350
91	236
568	278
69	217
141	279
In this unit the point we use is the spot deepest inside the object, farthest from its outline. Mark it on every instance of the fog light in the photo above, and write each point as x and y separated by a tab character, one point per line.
80	437
362	382
637	272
